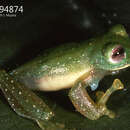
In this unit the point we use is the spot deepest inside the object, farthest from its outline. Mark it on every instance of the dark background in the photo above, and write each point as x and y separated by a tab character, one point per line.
47	24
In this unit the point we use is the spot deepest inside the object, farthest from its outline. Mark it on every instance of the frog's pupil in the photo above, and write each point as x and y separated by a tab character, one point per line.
118	53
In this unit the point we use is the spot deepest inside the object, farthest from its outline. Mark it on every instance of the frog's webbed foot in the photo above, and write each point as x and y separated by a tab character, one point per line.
102	97
26	103
86	106
99	97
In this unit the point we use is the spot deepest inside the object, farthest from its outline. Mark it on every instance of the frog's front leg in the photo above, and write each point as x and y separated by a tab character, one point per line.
26	103
86	106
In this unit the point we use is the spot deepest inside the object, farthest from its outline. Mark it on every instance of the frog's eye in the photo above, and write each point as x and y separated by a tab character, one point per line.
117	54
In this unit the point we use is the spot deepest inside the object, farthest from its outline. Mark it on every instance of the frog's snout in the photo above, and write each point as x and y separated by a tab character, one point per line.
128	65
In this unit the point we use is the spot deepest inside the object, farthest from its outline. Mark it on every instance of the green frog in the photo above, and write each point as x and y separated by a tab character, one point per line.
75	66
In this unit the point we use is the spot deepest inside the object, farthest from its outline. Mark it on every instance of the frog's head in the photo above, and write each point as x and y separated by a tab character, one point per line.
112	51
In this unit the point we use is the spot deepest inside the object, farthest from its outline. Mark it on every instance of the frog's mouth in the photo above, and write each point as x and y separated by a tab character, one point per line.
123	67
116	71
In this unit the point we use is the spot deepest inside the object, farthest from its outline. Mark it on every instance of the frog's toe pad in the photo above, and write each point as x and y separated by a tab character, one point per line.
111	114
117	84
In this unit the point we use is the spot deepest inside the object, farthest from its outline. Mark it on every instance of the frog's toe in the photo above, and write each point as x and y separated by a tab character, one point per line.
111	114
99	95
103	110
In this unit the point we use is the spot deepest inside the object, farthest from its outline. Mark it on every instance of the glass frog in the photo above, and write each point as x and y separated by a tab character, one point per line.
73	66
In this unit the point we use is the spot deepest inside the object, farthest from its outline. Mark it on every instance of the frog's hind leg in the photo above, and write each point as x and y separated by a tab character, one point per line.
99	95
86	106
26	103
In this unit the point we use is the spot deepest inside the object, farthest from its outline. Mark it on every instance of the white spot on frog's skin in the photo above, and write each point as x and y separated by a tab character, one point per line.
46	118
81	105
20	93
12	105
8	99
45	67
51	113
6	90
34	106
58	70
13	88
58	63
77	97
12	81
90	44
83	55
83	109
38	110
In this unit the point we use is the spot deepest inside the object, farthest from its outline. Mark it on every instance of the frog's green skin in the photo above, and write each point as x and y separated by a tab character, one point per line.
71	65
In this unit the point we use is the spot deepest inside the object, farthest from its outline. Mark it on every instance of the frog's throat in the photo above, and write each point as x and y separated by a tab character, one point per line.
123	67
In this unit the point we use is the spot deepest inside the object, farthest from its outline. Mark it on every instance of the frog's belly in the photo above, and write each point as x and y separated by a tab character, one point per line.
58	82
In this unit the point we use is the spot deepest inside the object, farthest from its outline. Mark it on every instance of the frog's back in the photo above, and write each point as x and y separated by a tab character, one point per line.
56	69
